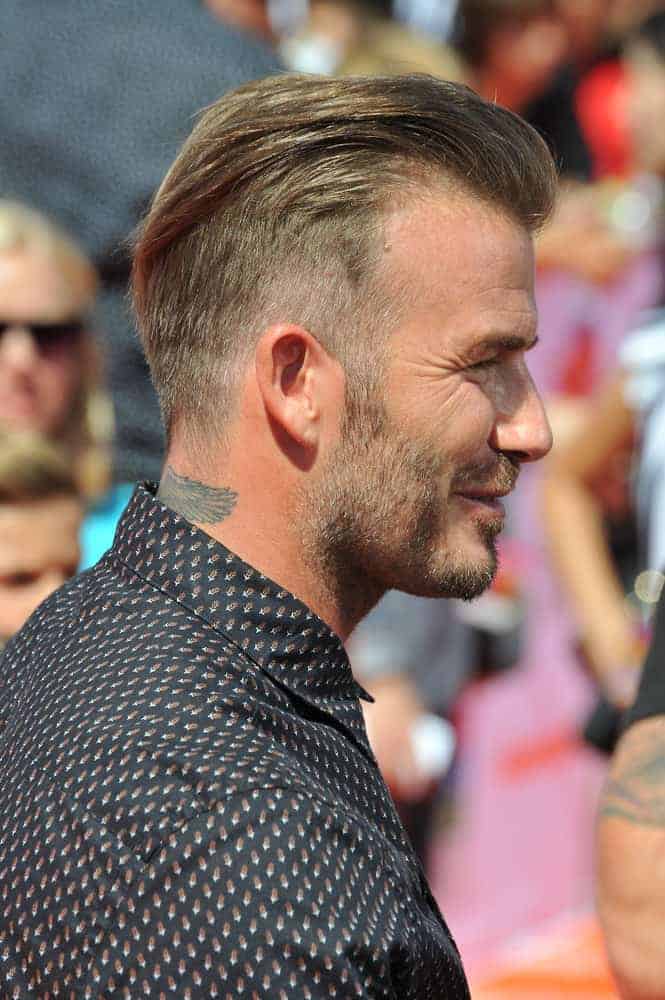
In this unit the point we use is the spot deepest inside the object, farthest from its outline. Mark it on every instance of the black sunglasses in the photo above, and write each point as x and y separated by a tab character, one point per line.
49	337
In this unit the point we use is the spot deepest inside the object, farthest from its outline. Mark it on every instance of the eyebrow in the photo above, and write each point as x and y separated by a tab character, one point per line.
506	342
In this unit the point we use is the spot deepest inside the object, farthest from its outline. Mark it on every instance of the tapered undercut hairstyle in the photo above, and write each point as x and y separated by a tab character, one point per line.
274	209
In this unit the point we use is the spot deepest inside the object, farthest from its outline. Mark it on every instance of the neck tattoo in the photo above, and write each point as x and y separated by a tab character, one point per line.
196	501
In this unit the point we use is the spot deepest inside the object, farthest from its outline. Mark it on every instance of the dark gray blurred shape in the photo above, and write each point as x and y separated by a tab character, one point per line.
95	100
419	638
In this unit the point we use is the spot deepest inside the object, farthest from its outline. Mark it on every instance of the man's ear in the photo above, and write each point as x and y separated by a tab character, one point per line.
291	372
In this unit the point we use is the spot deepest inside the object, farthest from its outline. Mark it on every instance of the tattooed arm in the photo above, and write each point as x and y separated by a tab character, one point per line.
631	861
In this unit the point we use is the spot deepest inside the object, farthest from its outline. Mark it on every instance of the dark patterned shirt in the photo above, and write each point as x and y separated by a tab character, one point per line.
188	803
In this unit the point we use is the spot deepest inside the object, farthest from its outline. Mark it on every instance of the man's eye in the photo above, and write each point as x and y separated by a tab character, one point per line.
487	363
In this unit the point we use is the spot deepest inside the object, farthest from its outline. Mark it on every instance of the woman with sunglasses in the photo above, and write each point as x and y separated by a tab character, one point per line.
49	364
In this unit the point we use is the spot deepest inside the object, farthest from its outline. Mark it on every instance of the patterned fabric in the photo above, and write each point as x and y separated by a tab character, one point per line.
188	803
100	522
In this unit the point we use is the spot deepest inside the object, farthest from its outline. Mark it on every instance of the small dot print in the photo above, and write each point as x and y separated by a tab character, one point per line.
188	803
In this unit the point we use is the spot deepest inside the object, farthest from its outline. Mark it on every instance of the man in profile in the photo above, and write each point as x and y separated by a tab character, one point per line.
334	287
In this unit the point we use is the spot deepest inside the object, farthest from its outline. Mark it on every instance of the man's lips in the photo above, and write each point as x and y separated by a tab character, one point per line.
484	497
487	486
489	502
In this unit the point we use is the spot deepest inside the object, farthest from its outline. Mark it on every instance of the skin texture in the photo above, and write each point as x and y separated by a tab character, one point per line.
36	388
350	493
631	861
34	559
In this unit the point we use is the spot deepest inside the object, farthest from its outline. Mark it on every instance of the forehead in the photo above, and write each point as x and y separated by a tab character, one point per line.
34	287
455	257
28	542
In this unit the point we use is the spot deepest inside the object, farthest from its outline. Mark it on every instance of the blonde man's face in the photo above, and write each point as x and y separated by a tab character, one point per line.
39	550
39	374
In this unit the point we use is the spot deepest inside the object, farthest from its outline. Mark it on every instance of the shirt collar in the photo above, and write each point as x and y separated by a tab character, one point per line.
280	633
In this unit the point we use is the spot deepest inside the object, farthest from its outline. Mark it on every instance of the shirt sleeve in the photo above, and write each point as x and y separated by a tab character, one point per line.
271	895
651	694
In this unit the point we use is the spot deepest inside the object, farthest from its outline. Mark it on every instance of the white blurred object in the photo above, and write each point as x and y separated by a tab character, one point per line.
433	745
636	211
431	17
492	612
311	54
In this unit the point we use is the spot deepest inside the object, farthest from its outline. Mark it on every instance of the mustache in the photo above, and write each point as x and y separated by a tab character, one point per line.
499	476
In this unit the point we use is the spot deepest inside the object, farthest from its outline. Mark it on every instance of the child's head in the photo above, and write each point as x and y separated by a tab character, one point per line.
40	518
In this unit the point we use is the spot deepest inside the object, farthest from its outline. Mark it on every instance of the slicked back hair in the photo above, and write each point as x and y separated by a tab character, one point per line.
273	211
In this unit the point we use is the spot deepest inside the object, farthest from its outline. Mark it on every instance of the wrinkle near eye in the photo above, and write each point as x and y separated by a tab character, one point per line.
433	365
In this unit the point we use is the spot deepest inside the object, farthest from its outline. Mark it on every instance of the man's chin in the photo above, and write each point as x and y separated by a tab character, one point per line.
461	580
468	576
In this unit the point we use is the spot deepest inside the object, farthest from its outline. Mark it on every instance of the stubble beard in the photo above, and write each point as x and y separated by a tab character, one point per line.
376	520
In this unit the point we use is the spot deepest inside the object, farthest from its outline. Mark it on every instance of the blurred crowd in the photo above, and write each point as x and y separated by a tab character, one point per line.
96	101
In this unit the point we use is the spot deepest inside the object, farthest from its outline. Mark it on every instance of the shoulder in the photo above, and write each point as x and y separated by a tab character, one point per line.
301	832
297	865
269	888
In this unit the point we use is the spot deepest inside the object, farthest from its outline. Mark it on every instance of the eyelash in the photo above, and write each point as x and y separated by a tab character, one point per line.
484	364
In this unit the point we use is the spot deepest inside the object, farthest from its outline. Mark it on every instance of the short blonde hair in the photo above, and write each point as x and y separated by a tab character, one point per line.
33	468
274	210
22	228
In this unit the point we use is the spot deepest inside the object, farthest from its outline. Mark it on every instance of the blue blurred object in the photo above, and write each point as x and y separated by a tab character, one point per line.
100	523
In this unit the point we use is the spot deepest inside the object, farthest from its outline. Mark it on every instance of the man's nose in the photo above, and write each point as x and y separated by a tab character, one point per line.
17	348
524	430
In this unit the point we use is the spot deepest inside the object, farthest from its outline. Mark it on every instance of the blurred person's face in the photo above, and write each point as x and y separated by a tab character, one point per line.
40	343
646	106
408	498
522	57
626	14
39	550
586	22
336	21
589	22
249	15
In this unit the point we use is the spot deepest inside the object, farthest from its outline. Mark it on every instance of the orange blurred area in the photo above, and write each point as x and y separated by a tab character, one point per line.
568	961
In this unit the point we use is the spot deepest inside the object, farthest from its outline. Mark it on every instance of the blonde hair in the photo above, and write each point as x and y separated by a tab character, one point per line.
88	430
33	468
274	208
22	228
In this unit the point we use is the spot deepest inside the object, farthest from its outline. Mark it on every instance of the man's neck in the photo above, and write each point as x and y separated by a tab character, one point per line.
194	500
266	533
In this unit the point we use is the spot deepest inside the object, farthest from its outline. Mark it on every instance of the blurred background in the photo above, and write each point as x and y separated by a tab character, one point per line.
494	719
